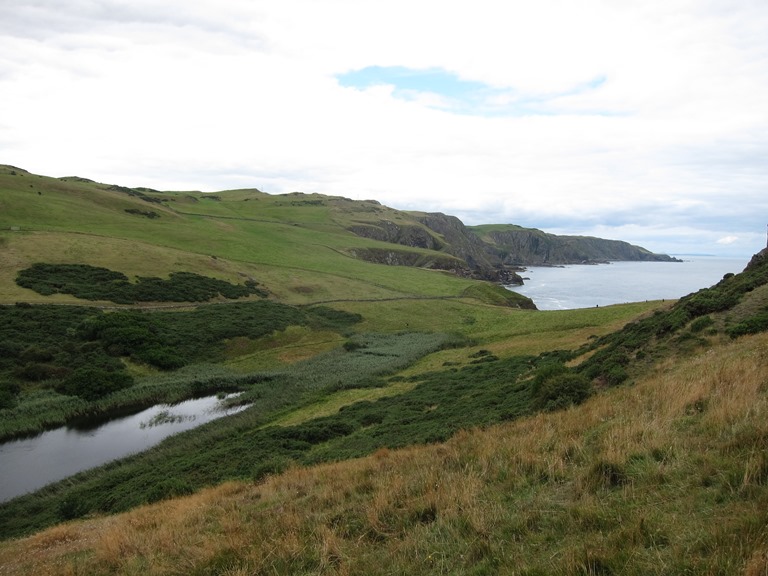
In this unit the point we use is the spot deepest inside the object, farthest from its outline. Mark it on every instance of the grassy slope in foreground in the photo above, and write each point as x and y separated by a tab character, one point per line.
669	476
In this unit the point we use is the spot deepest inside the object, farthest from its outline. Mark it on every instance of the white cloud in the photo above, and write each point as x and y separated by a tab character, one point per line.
655	122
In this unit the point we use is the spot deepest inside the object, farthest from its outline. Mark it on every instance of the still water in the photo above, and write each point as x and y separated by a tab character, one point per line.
31	463
587	286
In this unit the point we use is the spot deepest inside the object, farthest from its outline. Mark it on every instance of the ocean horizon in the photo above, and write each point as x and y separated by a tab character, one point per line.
590	285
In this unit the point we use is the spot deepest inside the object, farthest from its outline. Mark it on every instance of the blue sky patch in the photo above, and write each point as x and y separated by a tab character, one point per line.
442	89
432	80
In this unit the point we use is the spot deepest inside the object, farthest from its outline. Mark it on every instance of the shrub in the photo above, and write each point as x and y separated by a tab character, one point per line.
169	488
269	466
39	371
95	283
73	506
561	390
614	374
163	358
701	323
758	323
93	383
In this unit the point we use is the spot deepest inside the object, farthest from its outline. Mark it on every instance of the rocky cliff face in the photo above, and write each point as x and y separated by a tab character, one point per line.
487	252
458	249
530	247
460	241
388	231
758	260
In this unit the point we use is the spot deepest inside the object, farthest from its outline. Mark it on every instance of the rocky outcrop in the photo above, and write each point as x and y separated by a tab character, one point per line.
460	241
388	231
495	252
758	260
394	257
530	247
459	250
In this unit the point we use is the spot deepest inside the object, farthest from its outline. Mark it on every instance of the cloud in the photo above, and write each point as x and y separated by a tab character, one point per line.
638	118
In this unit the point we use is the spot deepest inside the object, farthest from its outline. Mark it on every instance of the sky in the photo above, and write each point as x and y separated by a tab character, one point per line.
638	120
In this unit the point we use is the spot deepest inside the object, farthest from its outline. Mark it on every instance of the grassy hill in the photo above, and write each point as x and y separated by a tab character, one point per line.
403	419
296	245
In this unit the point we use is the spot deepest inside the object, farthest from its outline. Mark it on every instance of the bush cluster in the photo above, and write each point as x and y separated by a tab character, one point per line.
93	383
95	283
555	387
753	325
77	350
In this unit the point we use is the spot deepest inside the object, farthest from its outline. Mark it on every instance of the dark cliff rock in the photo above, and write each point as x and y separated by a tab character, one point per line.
395	257
758	260
492	252
458	249
460	241
387	231
530	247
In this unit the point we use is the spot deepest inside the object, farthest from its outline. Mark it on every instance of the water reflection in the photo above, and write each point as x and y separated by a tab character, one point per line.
31	463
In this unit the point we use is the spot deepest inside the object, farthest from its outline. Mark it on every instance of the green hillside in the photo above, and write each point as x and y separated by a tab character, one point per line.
295	245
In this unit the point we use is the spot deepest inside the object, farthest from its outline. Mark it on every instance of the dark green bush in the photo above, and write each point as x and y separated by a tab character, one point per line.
270	466
95	283
701	324
73	506
758	323
163	357
615	374
546	371
562	389
39	372
93	383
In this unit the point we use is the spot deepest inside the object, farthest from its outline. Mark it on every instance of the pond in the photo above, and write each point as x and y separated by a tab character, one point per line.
31	463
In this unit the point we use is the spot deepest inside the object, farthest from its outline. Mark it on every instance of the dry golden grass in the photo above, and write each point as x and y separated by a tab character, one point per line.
669	476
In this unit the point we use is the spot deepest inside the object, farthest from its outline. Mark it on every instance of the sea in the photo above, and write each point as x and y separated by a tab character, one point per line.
591	285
